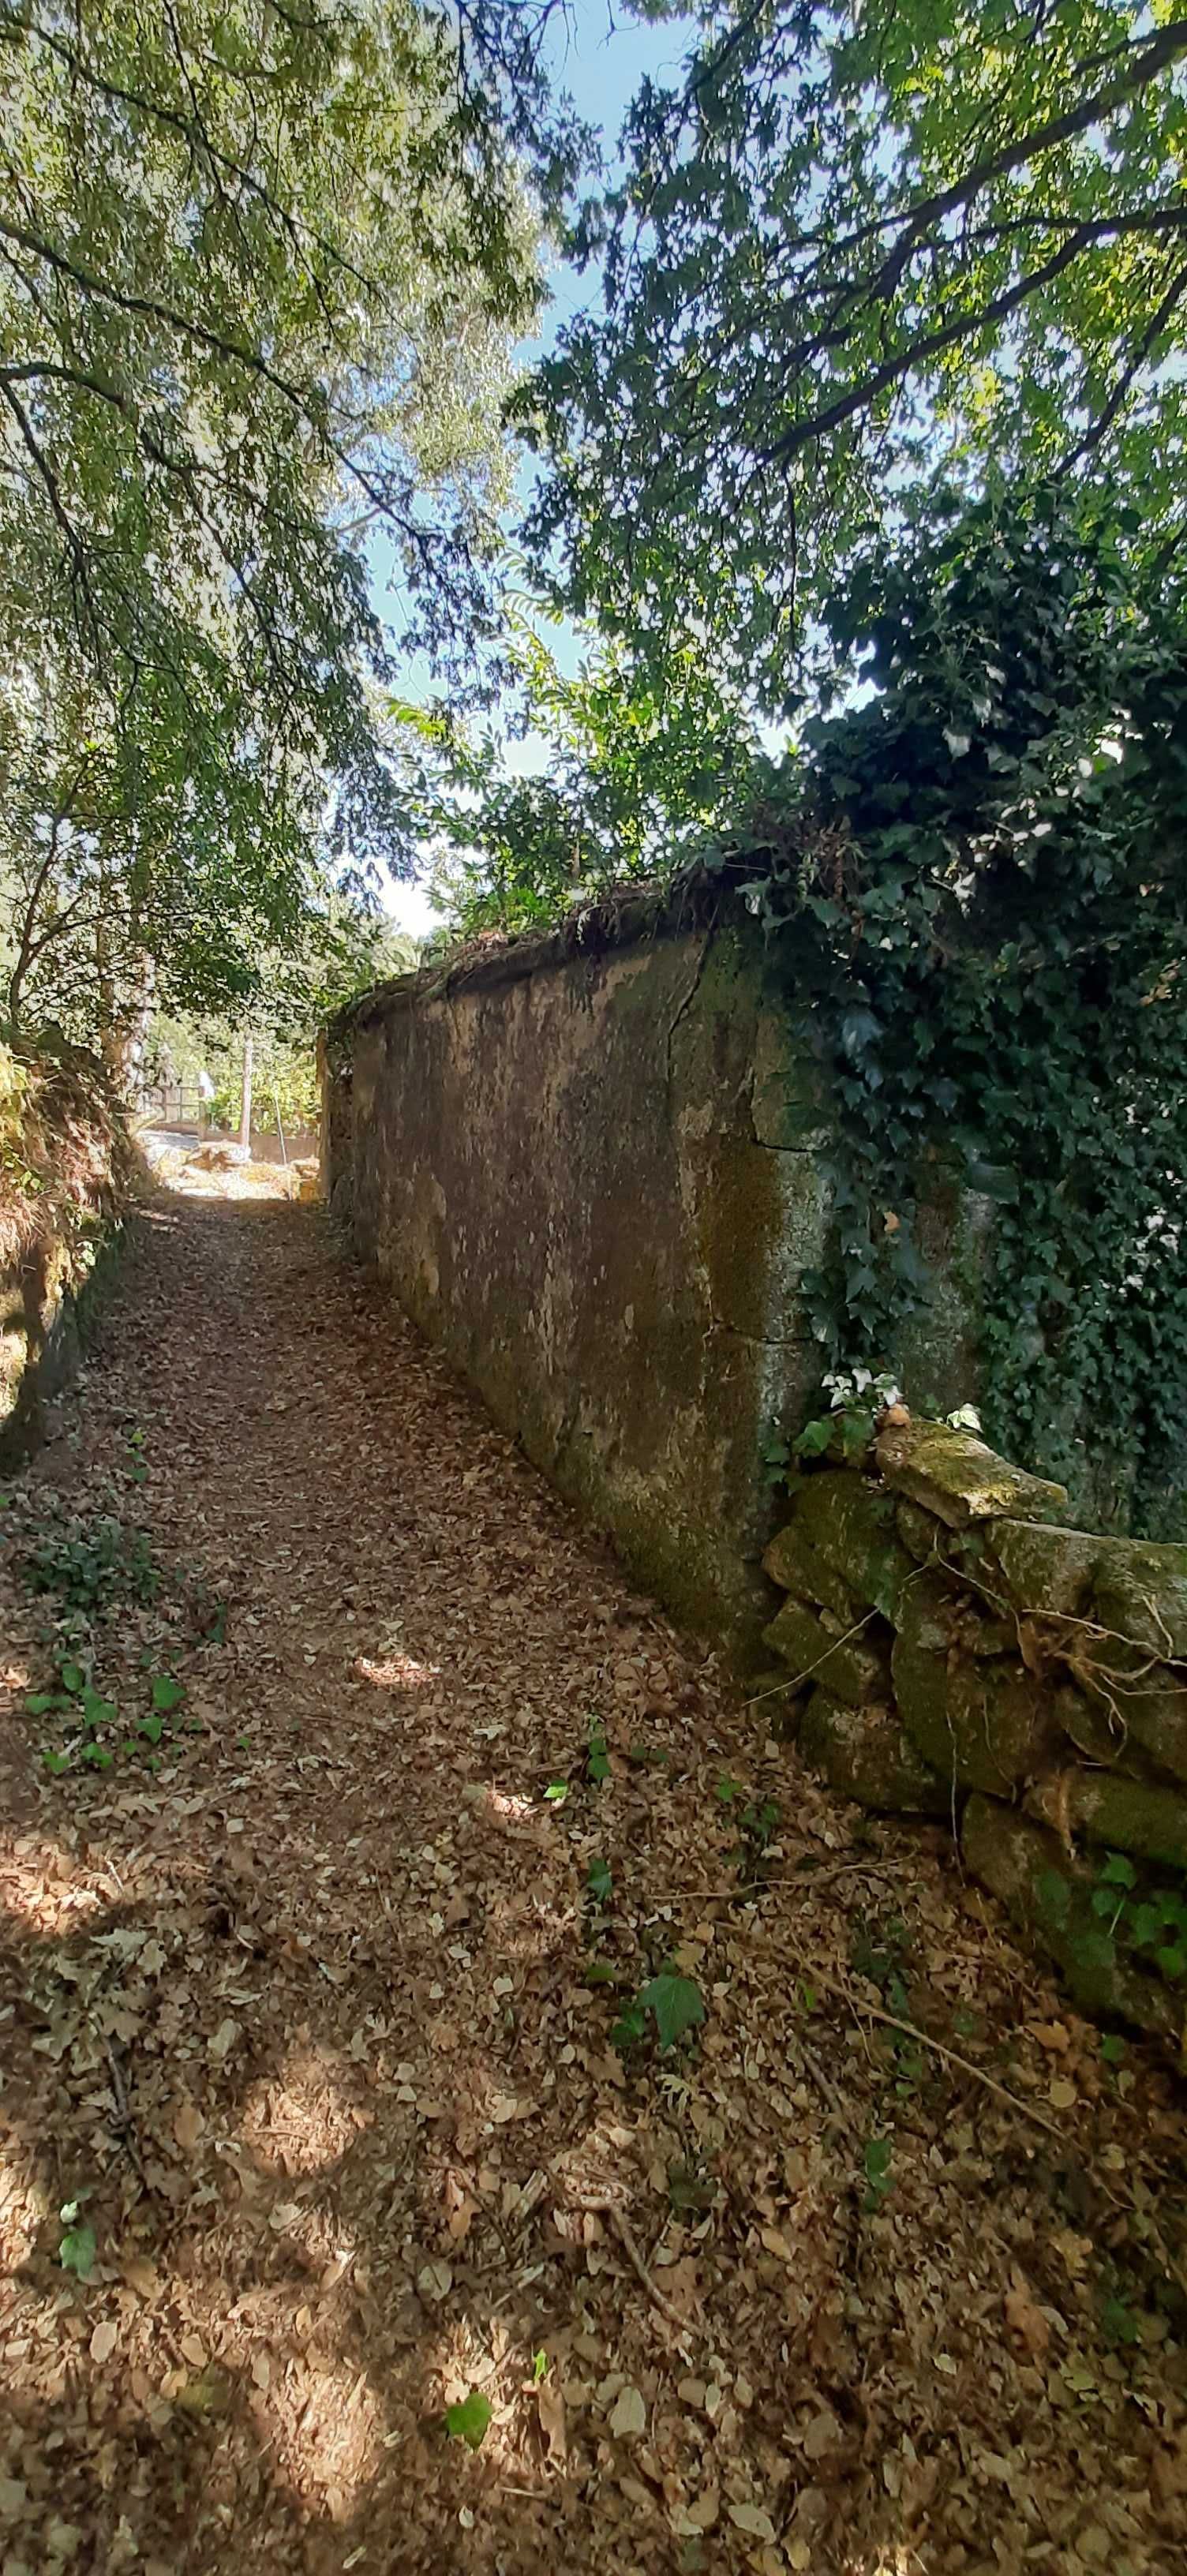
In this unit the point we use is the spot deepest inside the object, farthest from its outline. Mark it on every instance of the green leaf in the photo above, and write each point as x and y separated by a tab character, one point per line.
1112	2049
39	1703
1119	1871
630	2026
877	2159
599	1881
55	1763
598	1759
167	1693
78	2247
557	1792
73	1678
467	2421
152	1728
676	2004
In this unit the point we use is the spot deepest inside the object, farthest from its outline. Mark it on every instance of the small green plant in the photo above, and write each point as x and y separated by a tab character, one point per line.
90	1566
857	1397
90	1720
876	2166
673	2002
598	1882
1136	1913
79	2245
879	1953
468	2421
597	1759
88	1717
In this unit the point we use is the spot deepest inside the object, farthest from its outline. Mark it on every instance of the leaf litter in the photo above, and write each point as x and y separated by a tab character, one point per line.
337	2230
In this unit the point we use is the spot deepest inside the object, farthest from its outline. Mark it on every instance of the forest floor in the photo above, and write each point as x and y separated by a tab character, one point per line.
314	2123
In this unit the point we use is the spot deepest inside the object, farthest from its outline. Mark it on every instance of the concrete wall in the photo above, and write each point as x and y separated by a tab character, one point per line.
595	1173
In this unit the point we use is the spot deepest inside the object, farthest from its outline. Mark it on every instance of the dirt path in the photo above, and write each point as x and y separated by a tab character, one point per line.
312	2022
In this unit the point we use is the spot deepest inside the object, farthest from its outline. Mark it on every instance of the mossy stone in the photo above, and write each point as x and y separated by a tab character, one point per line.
982	1723
1157	1721
1051	1902
850	1522
812	1645
866	1754
955	1476
919	1531
1125	1815
1046	1569
1140	1590
797	1566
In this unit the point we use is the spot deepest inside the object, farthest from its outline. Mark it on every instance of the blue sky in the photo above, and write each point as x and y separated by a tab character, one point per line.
600	60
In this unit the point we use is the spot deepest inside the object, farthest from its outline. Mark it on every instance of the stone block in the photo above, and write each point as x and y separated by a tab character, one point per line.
850	1522
982	1723
866	1754
796	1566
1140	1590
1133	1816
1050	1900
1046	1569
957	1477
810	1644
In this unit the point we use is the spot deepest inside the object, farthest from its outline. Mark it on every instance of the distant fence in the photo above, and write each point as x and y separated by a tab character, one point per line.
172	1104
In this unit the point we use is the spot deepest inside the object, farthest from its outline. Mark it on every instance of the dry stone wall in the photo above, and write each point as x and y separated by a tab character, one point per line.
955	1650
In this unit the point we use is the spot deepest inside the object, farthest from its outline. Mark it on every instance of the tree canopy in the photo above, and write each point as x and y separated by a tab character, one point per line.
851	250
260	270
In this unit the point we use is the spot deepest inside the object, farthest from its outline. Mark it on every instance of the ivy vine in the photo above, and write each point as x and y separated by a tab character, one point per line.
973	885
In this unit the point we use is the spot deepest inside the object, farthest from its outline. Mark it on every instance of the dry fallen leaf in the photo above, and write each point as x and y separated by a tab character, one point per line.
104	2340
1024	2319
551	2407
630	2415
188	2125
751	2519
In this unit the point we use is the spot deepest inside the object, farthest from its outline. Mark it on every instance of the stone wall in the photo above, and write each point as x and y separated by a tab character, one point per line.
592	1167
66	1170
955	1651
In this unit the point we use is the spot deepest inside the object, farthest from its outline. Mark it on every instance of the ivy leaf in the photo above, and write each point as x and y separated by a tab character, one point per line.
167	1693
597	1759
677	2005
467	2421
79	2245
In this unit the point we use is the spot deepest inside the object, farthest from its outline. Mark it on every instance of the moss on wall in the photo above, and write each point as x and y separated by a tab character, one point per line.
66	1172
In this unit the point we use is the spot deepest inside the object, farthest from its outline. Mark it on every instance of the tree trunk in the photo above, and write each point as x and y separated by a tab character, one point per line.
245	1113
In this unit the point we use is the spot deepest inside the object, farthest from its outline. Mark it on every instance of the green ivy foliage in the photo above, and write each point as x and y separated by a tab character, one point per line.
975	886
